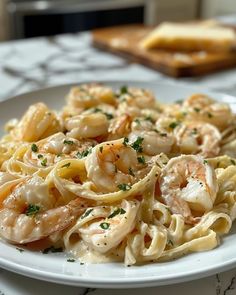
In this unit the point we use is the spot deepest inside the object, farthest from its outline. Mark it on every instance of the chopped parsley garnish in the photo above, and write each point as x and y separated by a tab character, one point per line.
137	121
131	172
109	116
70	260
101	149
141	160
20	250
125	141
124	90
97	110
32	210
209	115
67	165
40	156
179	101
69	142
116	212
104	225
194	131
149	118
205	162
84	153
163	134
52	249
44	162
136	145
124	187
59	155
197	110
86	213
173	125
232	161
34	148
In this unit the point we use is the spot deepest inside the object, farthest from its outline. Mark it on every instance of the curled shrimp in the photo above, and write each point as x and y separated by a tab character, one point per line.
107	233
87	125
198	138
109	165
46	152
120	127
90	95
188	183
203	108
38	122
153	142
29	214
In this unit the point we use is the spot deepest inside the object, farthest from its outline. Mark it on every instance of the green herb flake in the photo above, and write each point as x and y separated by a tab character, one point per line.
97	110
117	212
109	116
131	172
104	225
141	160
86	213
101	149
67	165
124	89
124	187
149	118
232	161
197	110
40	156
44	162
52	249
136	145
70	260
179	101
32	210
173	125
20	250
205	162
34	148
84	153
69	142
209	115
125	141
137	121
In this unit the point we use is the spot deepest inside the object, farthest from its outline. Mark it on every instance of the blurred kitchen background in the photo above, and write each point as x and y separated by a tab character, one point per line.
30	18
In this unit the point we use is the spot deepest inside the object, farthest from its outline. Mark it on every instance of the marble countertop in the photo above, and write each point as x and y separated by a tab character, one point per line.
30	64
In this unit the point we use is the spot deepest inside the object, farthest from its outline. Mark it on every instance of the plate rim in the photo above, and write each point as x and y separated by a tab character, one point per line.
109	282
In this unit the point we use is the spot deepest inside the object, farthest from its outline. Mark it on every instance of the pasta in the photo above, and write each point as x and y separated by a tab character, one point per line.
118	176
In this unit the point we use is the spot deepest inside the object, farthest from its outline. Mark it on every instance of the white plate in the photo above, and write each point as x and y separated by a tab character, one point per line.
55	268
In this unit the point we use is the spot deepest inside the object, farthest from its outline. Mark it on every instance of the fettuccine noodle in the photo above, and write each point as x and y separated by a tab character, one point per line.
118	176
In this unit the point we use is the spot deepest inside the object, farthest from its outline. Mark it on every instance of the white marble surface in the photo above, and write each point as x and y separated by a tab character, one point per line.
31	64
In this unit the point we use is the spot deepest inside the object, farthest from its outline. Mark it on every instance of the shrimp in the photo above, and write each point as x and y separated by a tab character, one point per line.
110	163
107	233
188	183
87	126
53	149
153	142
120	127
201	107
90	95
38	122
29	214
198	138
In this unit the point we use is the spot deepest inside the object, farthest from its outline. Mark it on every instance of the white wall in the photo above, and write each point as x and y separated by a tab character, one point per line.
4	28
211	8
170	10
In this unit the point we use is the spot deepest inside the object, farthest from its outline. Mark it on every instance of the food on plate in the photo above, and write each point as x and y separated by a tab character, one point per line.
202	36
118	176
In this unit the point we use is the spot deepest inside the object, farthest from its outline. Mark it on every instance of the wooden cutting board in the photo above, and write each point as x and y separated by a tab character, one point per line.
124	40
